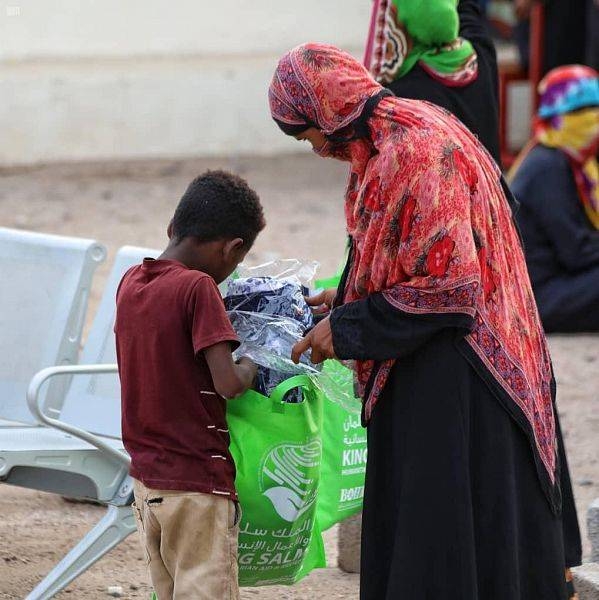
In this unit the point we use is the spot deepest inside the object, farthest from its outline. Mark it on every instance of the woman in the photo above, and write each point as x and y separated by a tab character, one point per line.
463	493
556	179
438	52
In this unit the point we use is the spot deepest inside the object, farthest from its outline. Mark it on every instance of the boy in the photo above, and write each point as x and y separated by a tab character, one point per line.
174	344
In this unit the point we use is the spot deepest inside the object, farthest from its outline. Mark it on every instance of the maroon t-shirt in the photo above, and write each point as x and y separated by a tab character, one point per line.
173	421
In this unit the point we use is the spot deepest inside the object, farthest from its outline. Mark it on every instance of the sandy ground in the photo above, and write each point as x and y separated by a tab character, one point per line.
131	203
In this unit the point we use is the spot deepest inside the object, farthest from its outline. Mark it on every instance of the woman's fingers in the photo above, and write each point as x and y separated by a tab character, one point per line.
322	302
302	346
317	300
320	340
323	309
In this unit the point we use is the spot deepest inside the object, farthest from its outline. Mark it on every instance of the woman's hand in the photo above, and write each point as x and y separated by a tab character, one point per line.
323	302
319	340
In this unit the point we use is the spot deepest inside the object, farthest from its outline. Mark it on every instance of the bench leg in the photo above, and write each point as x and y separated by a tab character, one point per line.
113	528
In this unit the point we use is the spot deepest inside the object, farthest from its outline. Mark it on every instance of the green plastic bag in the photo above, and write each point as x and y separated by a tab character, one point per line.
344	442
344	449
277	449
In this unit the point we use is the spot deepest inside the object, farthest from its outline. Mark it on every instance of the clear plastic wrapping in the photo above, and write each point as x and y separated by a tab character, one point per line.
268	310
336	382
268	341
303	272
269	296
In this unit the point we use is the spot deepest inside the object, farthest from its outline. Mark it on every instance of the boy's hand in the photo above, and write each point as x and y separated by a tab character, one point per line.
323	302
250	366
320	340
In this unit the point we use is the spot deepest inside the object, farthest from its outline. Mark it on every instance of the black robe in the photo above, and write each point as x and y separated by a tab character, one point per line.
561	245
453	506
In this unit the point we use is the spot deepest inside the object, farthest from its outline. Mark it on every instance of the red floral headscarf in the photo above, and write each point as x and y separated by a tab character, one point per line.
297	92
431	229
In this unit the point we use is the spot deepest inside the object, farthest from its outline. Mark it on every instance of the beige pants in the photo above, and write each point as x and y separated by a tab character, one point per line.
190	543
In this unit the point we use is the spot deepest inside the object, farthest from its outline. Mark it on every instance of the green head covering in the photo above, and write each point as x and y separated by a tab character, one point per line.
433	26
431	22
425	31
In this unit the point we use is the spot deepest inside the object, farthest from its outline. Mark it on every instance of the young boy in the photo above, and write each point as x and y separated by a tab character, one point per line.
174	344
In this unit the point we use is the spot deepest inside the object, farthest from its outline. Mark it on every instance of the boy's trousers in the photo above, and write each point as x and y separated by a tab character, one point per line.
190	543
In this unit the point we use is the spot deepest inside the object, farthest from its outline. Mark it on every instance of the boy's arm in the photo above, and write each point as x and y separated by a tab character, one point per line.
230	379
213	334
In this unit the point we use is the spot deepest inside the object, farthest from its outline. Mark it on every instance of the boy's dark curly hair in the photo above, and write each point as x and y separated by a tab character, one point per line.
219	205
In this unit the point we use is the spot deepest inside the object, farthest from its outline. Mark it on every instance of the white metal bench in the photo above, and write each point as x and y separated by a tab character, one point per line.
78	452
45	284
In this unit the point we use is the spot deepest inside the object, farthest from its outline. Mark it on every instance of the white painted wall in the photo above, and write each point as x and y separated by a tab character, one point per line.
105	79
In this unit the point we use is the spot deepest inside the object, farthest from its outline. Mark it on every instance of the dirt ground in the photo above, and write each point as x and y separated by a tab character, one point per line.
131	203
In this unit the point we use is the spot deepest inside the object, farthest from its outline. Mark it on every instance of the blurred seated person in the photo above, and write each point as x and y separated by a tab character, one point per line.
556	180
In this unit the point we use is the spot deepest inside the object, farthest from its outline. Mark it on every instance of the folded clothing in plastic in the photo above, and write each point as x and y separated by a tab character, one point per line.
270	315
270	296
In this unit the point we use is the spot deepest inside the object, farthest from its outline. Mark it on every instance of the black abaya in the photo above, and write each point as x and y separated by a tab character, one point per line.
453	507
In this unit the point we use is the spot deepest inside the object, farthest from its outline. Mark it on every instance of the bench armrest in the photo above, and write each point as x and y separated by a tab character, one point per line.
33	401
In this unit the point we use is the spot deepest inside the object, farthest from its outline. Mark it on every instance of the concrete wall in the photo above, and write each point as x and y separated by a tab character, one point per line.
104	79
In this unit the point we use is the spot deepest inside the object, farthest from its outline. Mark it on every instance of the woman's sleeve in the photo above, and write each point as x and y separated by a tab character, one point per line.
472	23
373	329
430	249
474	28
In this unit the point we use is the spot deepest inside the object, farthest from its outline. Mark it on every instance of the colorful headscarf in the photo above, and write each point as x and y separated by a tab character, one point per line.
405	32
431	228
294	100
568	119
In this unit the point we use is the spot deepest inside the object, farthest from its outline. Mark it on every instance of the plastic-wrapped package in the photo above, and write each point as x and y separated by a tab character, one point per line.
270	296
268	341
268	310
270	315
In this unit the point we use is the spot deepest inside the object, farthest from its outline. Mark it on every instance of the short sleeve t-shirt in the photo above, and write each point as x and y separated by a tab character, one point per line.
173	421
